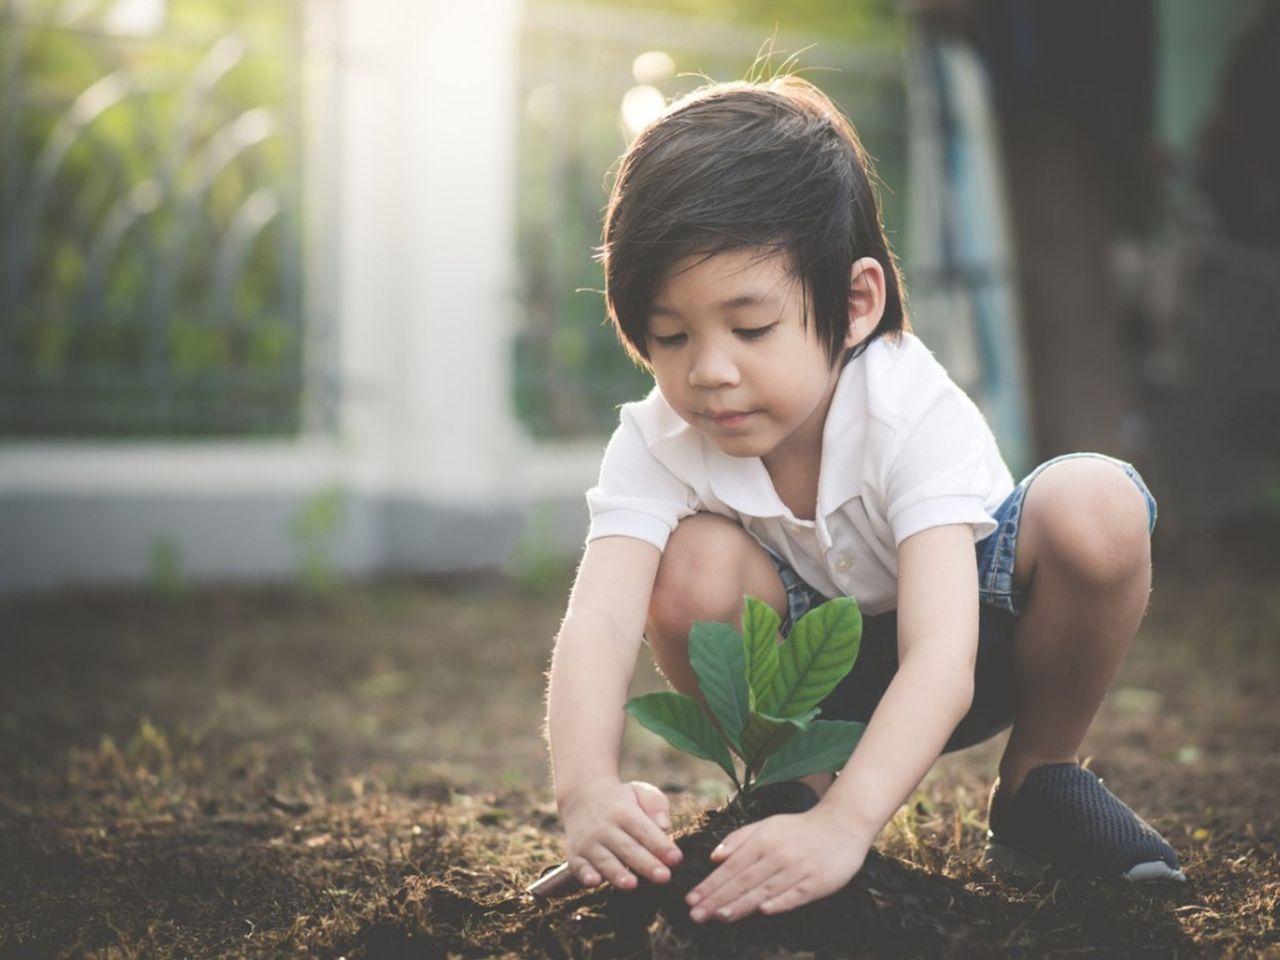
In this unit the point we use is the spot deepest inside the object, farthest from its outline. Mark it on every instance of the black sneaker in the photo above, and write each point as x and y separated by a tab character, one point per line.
1064	816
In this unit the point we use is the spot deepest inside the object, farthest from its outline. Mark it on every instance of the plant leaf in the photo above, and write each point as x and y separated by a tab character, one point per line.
681	721
823	745
817	654
765	734
760	638
717	657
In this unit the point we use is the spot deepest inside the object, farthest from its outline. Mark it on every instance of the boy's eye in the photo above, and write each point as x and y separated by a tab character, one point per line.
671	340
754	333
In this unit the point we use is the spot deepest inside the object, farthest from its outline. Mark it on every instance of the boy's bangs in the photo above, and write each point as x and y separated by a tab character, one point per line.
772	167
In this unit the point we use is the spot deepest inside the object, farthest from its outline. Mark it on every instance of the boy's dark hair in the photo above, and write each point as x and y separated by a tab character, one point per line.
773	165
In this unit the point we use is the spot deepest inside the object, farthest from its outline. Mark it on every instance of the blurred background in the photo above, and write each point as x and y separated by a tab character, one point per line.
304	289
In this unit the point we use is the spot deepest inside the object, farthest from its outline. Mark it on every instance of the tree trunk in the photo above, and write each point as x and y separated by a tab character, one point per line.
1077	374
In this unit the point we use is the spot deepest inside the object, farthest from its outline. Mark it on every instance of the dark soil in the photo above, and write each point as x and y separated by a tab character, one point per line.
255	773
892	909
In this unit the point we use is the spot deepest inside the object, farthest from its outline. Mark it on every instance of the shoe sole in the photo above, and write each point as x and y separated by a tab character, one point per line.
1154	871
1016	865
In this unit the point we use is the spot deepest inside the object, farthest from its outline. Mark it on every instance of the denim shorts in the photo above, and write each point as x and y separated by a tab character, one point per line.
999	606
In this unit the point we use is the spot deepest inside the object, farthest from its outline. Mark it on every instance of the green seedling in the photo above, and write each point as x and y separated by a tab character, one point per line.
763	697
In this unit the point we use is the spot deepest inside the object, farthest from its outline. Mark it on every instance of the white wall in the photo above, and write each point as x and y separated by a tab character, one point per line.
426	231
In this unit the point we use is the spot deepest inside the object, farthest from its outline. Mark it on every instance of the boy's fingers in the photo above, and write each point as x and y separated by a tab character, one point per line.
658	843
611	868
734	840
725	876
653	802
745	892
640	859
585	872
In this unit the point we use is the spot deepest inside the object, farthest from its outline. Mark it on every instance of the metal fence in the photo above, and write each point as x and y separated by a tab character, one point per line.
151	249
583	72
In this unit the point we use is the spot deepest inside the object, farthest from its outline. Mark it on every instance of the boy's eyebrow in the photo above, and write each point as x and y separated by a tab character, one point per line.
749	300
733	303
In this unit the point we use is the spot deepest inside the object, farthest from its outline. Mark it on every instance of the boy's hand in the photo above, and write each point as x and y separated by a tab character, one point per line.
778	864
614	828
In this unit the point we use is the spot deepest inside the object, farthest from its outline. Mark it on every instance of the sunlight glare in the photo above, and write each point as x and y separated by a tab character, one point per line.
135	17
542	104
640	106
653	66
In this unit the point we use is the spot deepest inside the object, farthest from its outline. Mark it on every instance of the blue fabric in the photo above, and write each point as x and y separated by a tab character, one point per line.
999	607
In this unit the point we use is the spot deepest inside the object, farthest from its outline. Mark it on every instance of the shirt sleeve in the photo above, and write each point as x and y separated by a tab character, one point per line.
636	495
941	471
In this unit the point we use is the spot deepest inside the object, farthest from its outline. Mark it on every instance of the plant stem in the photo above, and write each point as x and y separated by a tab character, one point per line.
733	774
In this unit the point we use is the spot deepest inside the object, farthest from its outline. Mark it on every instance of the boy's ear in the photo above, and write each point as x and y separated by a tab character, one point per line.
866	300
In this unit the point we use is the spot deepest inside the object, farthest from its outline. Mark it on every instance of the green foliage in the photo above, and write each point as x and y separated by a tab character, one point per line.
313	529
196	347
1269	497
763	698
268	344
165	577
681	721
765	734
719	661
823	745
116	216
862	21
760	627
150	739
820	650
537	563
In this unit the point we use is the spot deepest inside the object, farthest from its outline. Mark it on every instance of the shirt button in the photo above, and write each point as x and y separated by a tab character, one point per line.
843	562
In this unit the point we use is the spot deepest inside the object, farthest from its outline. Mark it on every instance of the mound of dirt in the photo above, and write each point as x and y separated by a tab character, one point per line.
891	909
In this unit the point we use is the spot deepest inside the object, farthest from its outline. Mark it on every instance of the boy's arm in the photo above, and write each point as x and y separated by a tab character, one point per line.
611	828
782	862
933	688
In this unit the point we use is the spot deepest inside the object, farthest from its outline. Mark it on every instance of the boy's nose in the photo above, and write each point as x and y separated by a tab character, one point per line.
713	368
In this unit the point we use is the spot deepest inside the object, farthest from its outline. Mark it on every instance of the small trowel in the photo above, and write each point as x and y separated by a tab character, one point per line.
554	882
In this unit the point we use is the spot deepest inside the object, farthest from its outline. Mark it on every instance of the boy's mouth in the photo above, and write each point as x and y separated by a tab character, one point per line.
727	418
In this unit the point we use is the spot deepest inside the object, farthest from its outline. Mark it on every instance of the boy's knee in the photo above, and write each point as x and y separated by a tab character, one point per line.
698	577
1092	519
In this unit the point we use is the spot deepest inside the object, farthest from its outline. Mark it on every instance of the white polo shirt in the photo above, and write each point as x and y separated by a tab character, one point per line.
903	449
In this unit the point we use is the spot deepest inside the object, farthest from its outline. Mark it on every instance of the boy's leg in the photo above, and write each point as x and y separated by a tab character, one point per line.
709	565
1083	558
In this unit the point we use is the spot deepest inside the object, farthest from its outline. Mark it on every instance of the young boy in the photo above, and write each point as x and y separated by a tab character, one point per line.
800	444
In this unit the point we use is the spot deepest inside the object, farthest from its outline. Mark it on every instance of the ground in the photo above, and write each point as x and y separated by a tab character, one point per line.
361	773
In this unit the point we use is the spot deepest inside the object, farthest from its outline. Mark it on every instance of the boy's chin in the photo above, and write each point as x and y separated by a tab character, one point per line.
744	448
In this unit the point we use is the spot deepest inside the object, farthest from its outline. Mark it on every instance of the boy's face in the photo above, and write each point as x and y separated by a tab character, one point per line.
732	355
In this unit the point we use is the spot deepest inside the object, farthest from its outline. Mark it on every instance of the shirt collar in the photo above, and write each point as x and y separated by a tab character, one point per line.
741	483
843	439
744	485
